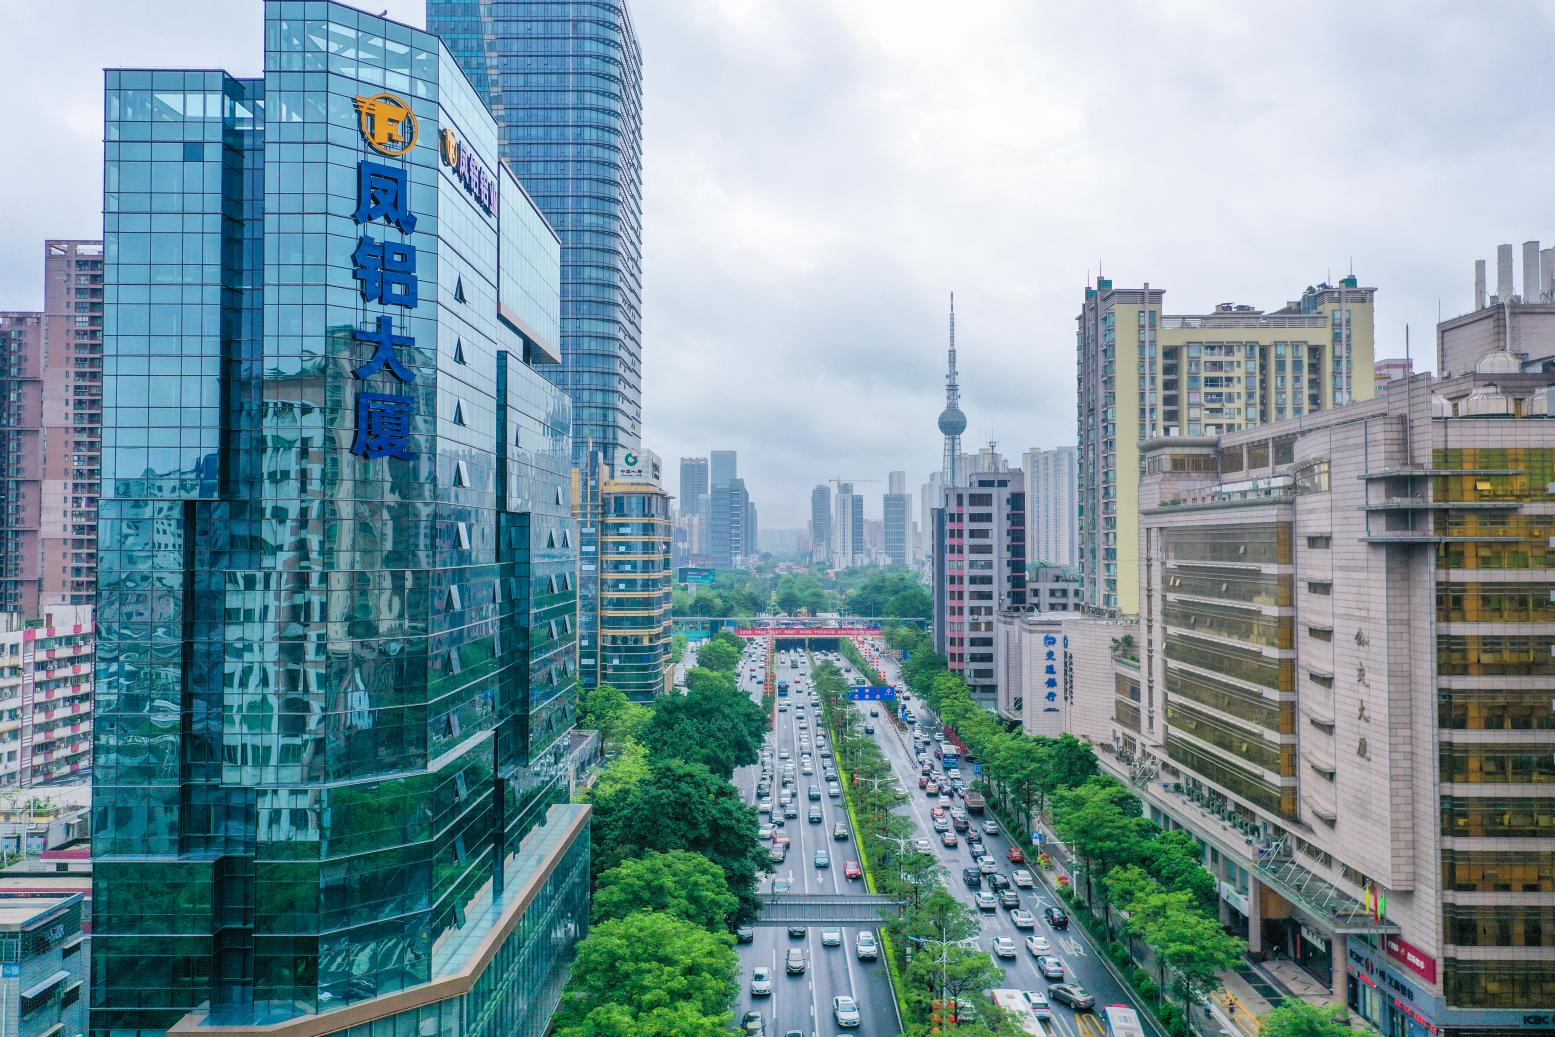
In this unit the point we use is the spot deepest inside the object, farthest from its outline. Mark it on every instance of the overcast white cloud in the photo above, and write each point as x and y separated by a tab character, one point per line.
820	175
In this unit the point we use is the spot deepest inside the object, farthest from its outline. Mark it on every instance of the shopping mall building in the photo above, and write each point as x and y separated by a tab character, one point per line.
337	655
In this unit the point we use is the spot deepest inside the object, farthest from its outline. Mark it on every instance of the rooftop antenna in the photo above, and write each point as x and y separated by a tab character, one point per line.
952	422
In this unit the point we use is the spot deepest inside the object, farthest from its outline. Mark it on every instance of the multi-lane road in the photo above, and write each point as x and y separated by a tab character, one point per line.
1083	963
804	1003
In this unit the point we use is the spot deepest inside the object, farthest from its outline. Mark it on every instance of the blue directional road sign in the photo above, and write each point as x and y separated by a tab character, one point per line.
874	693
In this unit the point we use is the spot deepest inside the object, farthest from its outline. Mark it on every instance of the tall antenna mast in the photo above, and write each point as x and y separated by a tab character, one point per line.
952	422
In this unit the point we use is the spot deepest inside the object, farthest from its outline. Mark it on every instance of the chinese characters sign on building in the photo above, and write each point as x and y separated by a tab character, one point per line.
385	272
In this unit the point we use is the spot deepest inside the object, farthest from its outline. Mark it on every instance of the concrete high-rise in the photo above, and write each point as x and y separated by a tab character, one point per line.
897	514
730	516
694	484
979	569
1341	687
51	398
1051	507
635	577
1143	373
847	547
336	657
820	523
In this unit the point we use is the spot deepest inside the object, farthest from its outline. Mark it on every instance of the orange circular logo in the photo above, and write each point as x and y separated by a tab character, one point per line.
387	122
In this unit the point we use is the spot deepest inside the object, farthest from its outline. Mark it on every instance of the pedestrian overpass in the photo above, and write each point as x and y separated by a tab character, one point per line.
779	909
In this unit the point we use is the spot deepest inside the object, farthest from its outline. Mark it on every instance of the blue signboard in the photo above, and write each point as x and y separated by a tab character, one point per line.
873	693
11	969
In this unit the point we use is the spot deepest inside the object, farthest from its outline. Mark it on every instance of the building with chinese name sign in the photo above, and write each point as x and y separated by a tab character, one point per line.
337	658
1028	670
635	577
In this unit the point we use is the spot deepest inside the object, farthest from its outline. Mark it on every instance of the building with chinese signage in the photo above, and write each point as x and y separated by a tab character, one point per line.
1341	685
635	576
336	660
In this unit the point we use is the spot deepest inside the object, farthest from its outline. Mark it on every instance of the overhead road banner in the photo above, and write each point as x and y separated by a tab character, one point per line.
807	631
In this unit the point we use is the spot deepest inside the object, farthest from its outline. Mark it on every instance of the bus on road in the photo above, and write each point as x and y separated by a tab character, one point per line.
783	689
1014	1002
1122	1021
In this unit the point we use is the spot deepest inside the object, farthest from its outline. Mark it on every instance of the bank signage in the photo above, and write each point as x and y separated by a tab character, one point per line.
1417	961
468	169
637	465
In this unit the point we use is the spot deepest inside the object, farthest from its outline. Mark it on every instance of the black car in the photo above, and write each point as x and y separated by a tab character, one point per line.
998	883
815	815
1056	917
797	931
972	877
745	934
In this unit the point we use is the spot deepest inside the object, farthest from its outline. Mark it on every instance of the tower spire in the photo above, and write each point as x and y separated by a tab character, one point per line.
952	422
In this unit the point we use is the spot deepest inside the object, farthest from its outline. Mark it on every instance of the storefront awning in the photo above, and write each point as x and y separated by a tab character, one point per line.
1323	903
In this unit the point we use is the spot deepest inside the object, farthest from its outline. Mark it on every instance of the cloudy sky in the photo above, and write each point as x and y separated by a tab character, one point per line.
821	174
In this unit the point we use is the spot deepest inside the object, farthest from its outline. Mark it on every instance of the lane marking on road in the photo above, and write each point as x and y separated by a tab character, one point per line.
1071	946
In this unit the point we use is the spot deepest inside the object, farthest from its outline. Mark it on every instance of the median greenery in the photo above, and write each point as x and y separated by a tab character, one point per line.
1146	889
676	858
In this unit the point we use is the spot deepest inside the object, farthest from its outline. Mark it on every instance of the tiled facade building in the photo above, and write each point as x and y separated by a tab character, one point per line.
336	671
979	570
1344	686
1050	506
635	577
43	966
1143	373
45	697
51	400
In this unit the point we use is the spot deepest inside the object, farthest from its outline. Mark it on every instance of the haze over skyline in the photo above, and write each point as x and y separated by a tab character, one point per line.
806	221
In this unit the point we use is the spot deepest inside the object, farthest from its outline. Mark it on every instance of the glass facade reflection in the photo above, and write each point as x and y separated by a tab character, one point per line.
336	661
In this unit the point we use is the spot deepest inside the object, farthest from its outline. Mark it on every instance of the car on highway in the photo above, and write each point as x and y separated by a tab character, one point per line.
1037	1000
780	839
972	877
931	787
865	947
1008	899
764	832
1017	855
839	831
764	807
1023	878
923	781
998	883
1039	946
869	729
753	1025
782	885
815	815
1056	917
813	793
941	824
949	839
822	858
782	707
987	865
795	963
790	810
937	812
783	753
960	824
798	932
845	1010
777	854
1003	947
745	934
852	870
1073	995
761	981
1050	967
985	901
833	789
991	827
923	846
1023	919
831	937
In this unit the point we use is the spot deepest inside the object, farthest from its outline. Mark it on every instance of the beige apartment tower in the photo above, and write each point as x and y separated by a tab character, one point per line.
1143	373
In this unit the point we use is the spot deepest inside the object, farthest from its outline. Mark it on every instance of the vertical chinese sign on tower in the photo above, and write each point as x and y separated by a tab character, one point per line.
385	271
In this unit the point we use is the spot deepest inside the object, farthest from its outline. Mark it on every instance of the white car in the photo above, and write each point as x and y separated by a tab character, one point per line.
1039	1004
865	946
764	832
991	827
831	937
845	1010
1022	878
1023	919
764	807
923	846
761	981
1038	945
1003	947
987	865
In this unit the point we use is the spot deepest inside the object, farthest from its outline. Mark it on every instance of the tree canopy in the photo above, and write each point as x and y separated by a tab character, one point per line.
1294	1017
713	724
680	883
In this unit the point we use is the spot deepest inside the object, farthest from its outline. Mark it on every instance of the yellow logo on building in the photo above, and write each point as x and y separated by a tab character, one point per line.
450	147
388	124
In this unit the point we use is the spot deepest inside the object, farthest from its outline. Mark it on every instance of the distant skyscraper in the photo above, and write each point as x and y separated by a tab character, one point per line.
725	467
820	523
693	485
897	515
730	513
1051	506
848	548
951	421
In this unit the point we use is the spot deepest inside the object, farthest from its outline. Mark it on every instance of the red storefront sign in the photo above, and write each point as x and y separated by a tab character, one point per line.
1417	961
807	632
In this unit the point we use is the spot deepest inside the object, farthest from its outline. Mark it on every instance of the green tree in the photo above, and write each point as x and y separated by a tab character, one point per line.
682	806
609	711
678	645
1189	943
681	883
911	603
1176	861
938	918
698	679
714	725
949	971
1101	823
624	772
1074	761
657	973
718	655
1294	1017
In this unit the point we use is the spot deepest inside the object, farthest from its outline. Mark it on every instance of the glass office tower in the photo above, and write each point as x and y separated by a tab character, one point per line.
336	662
564	80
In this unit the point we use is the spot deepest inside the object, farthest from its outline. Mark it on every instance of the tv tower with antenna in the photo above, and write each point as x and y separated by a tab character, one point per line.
952	422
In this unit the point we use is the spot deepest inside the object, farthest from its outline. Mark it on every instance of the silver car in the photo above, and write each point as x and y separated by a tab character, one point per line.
845	1010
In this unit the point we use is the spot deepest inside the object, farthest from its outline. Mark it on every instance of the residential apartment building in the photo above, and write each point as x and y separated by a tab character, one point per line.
51	398
1342	686
979	569
1143	373
1394	369
848	547
44	971
897	516
337	657
635	577
46	668
1051	506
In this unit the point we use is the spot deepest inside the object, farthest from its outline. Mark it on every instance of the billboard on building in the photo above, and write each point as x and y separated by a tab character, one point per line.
634	464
